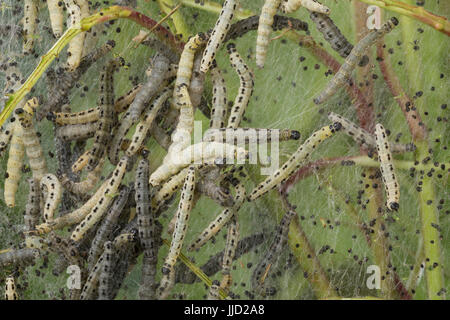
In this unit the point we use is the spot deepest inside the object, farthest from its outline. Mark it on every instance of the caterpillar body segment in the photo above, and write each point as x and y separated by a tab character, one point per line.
268	11
213	293
6	134
218	34
30	20
219	98
22	257
272	255
75	216
203	152
30	139
294	162
186	63
229	252
249	135
147	121
363	137
246	84
332	34
54	192
107	226
76	131
161	66
106	121
106	272
147	231
223	218
181	137
345	71
55	9
83	187
387	169
182	214
99	209
10	289
289	6
14	165
75	49
33	206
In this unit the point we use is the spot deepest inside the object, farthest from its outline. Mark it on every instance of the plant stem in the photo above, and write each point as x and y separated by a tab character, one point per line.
177	18
196	270
412	116
379	243
439	23
434	272
306	256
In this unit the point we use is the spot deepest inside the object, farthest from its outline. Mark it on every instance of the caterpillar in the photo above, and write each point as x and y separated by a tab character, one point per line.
107	226
55	10
51	183
30	20
81	162
83	187
202	152
182	214
6	134
353	58
160	136
219	98
23	257
82	117
249	135
196	87
76	131
160	68
106	121
93	114
35	242
90	287
288	6
147	231
30	139
10	289
66	80
246	84
75	50
14	165
168	189
214	264
123	102
213	293
181	137
364	138
186	62
216	225
218	34
272	255
332	34
387	169
229	252
268	11
294	162
208	186
145	124
99	209
106	273
75	216
32	208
